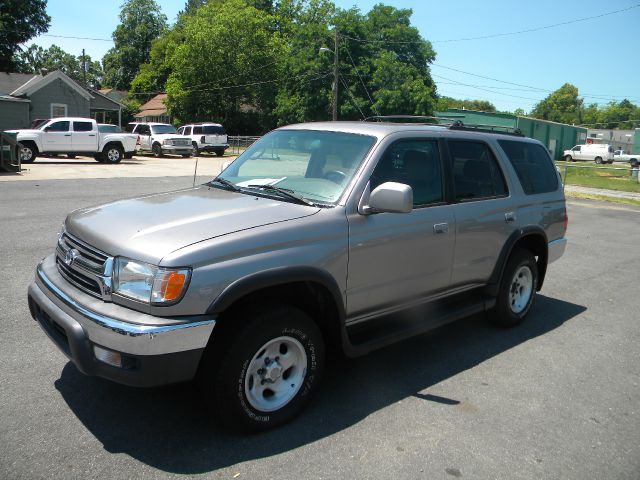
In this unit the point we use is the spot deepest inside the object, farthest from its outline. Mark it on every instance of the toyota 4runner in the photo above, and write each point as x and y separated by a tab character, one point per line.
320	237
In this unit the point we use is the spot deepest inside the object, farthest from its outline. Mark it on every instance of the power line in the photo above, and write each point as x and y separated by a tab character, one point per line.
362	81
485	89
637	120
353	100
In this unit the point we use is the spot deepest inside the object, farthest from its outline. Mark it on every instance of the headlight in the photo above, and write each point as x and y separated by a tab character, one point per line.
167	142
149	283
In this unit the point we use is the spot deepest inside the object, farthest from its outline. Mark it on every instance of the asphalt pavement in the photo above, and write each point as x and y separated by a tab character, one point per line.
557	397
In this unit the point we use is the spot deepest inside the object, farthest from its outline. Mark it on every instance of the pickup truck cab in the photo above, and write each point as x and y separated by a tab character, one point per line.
74	136
160	139
620	156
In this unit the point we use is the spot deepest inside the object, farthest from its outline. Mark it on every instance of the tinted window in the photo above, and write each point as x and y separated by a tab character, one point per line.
143	130
62	126
415	163
213	129
197	130
533	166
475	171
130	127
82	126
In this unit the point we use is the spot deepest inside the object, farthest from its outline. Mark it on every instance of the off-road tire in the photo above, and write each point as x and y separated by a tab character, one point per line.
226	370
504	313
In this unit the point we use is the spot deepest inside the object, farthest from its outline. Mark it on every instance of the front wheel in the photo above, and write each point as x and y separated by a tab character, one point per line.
196	152
268	371
598	160
517	289
568	158
28	153
157	150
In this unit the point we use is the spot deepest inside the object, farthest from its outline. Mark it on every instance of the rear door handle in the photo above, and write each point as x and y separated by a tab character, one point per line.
92	134
441	228
509	217
67	134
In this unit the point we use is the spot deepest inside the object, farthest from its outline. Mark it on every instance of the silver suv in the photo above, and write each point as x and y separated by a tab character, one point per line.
321	237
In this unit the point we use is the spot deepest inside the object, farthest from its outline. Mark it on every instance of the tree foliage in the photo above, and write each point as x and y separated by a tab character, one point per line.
563	105
479	105
141	22
20	20
35	58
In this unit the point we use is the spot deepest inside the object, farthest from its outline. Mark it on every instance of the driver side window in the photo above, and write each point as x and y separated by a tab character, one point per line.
415	163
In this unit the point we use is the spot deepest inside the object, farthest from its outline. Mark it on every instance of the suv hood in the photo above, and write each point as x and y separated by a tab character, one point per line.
149	228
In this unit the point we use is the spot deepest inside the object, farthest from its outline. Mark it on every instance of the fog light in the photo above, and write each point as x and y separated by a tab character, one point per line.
108	356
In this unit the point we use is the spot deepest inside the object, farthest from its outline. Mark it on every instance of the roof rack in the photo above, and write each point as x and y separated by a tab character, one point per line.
501	129
426	120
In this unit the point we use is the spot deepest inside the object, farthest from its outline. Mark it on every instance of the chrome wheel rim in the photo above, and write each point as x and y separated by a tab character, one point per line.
113	155
521	289
275	374
25	154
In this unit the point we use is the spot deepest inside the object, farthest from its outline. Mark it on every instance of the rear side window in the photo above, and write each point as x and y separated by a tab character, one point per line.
476	173
197	130
82	126
533	166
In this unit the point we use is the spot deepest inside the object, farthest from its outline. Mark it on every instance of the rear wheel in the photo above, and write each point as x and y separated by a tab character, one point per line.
634	163
265	373
220	152
517	289
28	152
112	154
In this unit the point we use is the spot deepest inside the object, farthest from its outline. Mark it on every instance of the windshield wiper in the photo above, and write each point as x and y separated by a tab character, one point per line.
226	183
285	192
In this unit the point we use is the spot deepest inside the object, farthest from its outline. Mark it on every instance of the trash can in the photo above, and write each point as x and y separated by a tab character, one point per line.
634	173
9	160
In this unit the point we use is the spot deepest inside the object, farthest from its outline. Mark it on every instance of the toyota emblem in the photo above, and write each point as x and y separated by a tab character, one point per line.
70	256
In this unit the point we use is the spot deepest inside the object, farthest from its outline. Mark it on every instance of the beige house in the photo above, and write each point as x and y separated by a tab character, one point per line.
154	110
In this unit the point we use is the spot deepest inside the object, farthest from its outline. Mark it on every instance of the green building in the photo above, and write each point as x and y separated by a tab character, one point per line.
557	137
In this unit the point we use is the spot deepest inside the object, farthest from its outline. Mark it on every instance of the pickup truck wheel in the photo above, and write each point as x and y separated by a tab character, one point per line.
568	158
634	163
112	154
598	160
157	150
28	153
268	371
517	289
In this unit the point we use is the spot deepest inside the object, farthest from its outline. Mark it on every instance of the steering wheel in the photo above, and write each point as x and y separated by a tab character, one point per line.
335	176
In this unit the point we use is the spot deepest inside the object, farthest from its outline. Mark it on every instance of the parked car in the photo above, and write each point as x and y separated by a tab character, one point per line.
160	139
620	156
74	136
319	238
599	153
206	137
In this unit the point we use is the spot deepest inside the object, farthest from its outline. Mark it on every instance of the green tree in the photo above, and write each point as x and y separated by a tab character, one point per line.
617	115
35	58
20	20
444	103
563	105
141	22
236	80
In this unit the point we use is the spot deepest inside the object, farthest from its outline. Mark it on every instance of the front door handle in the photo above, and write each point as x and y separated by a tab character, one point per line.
441	228
67	134
509	217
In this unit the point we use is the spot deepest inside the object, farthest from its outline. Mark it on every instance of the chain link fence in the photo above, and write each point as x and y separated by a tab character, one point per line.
239	143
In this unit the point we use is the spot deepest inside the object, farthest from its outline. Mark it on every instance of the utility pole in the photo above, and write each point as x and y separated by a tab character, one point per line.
84	68
336	74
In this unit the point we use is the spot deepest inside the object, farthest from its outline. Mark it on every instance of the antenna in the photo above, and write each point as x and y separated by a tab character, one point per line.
194	172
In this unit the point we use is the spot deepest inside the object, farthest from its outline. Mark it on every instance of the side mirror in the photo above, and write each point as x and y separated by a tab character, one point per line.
390	197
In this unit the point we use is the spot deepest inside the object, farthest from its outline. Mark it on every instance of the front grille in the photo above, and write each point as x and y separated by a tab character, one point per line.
86	267
181	142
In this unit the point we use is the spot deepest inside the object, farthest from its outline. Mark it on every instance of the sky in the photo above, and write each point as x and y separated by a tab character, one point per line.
598	55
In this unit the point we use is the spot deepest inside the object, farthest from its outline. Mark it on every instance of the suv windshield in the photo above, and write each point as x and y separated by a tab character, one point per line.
314	165
160	129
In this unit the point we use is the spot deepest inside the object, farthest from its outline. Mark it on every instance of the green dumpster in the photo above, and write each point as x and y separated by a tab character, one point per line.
9	154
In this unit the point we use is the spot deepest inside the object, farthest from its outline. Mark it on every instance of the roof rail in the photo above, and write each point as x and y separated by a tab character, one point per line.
501	129
423	119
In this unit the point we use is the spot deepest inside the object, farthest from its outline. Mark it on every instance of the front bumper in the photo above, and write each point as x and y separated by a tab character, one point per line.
152	354
177	150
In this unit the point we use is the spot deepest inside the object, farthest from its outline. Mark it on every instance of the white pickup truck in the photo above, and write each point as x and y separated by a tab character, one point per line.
620	156
74	136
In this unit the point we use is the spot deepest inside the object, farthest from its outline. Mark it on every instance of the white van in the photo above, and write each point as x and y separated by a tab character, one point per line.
598	152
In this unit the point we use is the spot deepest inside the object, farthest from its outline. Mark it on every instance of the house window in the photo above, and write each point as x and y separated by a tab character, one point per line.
58	110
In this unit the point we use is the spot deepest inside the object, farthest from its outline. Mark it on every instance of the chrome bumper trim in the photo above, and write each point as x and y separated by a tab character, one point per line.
556	249
126	337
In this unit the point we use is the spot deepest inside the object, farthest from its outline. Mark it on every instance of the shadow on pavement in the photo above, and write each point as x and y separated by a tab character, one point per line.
164	427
